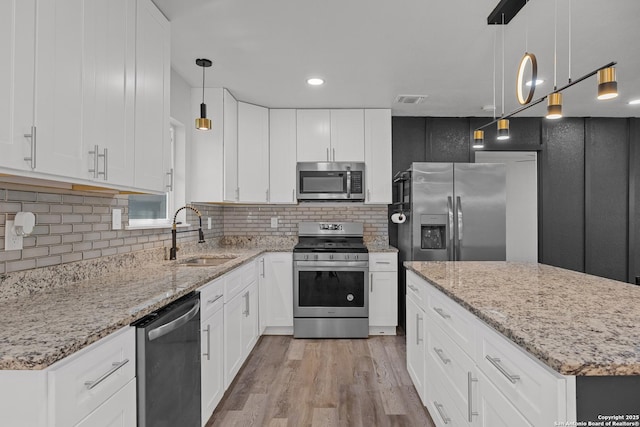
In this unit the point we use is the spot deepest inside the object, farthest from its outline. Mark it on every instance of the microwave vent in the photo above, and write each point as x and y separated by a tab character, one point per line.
410	99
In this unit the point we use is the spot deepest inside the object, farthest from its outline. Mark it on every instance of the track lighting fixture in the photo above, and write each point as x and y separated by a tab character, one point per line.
607	84
554	106
503	129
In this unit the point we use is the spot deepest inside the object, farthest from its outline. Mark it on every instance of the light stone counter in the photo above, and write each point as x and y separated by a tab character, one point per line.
46	318
577	324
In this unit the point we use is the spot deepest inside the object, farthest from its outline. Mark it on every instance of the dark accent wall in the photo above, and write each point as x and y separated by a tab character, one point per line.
634	200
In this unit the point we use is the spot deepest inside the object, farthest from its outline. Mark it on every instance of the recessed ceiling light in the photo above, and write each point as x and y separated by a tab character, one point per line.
488	107
314	81
410	99
634	102
538	82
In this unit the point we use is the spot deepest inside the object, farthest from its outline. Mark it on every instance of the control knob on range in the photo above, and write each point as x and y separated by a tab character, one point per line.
306	257
315	257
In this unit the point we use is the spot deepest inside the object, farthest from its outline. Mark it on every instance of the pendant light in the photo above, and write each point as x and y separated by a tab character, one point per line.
607	84
554	100
554	106
478	138
503	124
202	122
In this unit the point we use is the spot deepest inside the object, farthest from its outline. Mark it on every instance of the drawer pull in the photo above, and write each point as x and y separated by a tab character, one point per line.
495	361
440	354
441	313
418	320
443	415
216	298
470	381
114	367
383	262
208	353
413	288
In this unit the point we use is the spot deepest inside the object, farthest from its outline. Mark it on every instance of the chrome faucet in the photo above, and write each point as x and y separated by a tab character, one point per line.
174	231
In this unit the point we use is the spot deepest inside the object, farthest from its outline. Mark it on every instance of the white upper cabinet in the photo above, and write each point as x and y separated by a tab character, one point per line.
109	90
152	157
253	153
230	146
330	135
282	156
377	151
59	110
347	135
17	41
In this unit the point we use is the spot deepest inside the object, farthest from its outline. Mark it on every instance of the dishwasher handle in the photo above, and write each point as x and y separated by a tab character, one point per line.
175	324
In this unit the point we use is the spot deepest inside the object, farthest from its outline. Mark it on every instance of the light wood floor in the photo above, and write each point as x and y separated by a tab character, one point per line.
301	382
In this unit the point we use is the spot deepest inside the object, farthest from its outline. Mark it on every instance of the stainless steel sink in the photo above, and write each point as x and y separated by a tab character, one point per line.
207	261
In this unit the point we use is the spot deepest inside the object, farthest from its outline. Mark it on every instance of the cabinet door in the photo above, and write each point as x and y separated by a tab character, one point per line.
383	298
347	135
108	90
233	321
282	156
253	153
230	144
313	135
377	152
278	290
494	409
415	346
212	365
250	322
59	94
152	98
118	411
17	44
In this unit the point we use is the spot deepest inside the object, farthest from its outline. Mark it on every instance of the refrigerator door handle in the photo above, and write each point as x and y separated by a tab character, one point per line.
450	209
460	227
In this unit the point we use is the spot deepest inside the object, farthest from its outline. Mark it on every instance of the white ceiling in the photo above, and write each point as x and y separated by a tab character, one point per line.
370	51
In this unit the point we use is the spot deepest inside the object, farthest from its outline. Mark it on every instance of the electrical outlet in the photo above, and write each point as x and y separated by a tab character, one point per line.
274	222
116	219
209	223
12	242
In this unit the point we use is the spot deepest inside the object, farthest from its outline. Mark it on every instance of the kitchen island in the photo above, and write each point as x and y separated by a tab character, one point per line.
583	330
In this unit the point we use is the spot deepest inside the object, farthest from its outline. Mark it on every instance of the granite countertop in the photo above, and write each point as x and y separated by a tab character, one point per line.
575	323
47	325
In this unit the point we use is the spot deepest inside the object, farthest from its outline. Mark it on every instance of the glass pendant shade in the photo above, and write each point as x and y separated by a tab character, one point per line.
478	139
607	84
503	129
554	106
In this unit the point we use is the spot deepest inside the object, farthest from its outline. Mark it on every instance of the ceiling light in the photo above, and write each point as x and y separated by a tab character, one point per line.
410	99
503	129
538	82
315	81
634	102
554	106
607	84
202	122
478	139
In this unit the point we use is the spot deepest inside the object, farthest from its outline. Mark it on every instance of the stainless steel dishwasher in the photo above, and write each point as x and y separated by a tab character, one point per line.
168	365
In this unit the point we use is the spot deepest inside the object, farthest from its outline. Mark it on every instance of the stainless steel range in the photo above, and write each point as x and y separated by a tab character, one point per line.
331	281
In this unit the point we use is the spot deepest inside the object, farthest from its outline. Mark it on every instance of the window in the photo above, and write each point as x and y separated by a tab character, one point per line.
155	210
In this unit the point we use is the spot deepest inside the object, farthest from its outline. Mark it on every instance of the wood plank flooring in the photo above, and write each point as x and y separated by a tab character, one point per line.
323	383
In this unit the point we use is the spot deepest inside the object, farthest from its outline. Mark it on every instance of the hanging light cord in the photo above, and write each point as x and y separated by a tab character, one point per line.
570	41
555	46
503	64
494	73
203	84
526	29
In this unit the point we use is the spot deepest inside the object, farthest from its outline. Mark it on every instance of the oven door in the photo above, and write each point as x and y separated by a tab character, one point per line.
331	289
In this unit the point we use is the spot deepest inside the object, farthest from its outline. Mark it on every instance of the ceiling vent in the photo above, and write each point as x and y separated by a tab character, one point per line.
410	99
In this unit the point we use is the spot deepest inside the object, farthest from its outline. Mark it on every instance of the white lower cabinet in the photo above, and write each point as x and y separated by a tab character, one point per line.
118	411
472	375
275	280
383	293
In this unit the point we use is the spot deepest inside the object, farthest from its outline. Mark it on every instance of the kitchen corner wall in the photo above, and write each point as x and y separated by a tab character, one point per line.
76	226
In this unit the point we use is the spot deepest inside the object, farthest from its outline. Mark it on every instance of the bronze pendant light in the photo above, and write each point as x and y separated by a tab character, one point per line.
202	122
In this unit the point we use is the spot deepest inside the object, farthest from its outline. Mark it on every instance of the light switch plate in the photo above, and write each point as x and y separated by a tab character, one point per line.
116	219
274	222
11	241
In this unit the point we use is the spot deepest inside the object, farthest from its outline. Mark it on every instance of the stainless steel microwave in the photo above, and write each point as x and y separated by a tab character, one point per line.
330	181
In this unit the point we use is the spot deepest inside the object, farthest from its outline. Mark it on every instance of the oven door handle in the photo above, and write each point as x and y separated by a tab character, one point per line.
175	324
348	180
310	265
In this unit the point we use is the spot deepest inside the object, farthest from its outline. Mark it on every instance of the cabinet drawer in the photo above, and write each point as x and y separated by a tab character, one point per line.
446	360
232	284
211	298
440	402
416	289
453	319
383	261
529	385
249	272
82	382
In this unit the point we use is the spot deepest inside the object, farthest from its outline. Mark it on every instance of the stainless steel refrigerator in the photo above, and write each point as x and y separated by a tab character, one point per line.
454	212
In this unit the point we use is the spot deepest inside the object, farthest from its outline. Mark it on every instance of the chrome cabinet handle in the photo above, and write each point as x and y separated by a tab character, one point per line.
495	361
443	415
328	154
175	324
370	282
170	184
94	153
114	367
440	354
470	411
263	272
216	298
441	313
246	304
413	288
460	227
334	154
383	262
450	211
208	353
418	320
368	195
348	181
105	156
32	158
237	193
293	195
266	195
